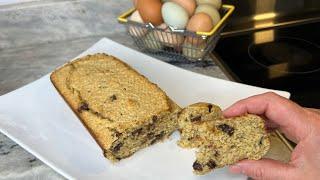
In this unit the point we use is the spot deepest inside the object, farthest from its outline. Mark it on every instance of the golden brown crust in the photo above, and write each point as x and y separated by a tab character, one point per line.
68	99
106	119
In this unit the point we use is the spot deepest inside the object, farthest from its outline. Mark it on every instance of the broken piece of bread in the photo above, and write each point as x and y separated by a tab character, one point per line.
221	141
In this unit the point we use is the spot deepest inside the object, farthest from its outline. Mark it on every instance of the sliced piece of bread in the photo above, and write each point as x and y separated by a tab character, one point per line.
220	141
122	109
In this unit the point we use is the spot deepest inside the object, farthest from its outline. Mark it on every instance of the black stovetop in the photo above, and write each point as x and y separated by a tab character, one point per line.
281	58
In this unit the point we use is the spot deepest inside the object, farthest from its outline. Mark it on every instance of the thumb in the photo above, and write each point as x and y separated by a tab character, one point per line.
263	169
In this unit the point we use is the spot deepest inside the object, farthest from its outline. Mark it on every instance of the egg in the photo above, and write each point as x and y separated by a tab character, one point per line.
150	11
189	5
151	43
167	37
135	30
199	22
211	11
214	3
193	52
174	15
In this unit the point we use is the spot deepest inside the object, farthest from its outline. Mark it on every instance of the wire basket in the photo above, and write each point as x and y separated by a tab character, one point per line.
175	43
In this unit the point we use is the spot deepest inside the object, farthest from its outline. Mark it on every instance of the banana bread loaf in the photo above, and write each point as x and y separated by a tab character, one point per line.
122	109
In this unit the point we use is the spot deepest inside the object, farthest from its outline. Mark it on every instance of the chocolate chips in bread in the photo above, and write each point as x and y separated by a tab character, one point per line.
220	141
122	109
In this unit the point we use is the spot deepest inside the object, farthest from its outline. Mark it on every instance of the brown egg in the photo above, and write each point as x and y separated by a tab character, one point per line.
150	11
188	5
199	22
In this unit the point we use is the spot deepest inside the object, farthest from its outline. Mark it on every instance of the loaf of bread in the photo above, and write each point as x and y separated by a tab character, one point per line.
220	141
122	109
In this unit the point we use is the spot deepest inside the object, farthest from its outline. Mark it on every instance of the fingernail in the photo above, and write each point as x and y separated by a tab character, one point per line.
235	169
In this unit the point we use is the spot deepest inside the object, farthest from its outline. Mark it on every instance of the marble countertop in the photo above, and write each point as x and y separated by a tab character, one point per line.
36	37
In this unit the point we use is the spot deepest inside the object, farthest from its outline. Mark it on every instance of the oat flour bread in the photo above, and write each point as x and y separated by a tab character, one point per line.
122	109
220	141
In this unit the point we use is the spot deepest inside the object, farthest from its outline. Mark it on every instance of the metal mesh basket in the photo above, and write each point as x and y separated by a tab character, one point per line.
175	43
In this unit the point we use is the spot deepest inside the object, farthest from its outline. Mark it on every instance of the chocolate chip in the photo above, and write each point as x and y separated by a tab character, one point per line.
117	147
105	153
260	142
196	118
226	128
154	118
83	107
153	141
151	126
116	133
150	135
157	137
216	154
178	114
210	107
197	166
211	164
137	132
113	97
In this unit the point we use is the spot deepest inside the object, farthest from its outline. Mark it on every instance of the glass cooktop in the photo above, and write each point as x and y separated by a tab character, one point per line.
283	58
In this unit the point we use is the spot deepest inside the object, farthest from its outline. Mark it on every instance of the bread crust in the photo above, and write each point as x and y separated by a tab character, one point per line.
114	117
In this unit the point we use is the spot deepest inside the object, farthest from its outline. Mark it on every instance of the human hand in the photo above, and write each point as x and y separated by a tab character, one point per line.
301	125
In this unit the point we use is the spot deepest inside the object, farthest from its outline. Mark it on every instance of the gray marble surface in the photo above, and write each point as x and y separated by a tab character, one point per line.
36	37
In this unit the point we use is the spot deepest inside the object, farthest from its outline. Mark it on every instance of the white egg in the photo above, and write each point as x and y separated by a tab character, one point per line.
211	11
174	15
215	3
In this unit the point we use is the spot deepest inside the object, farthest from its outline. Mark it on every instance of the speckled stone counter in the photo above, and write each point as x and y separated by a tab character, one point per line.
36	37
